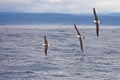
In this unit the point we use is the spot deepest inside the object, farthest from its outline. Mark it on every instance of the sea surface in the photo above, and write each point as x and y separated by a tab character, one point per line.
22	53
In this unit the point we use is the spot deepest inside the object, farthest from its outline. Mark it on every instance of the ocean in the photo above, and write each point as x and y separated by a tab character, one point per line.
22	53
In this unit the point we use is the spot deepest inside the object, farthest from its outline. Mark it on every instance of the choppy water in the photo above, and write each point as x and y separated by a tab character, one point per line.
22	54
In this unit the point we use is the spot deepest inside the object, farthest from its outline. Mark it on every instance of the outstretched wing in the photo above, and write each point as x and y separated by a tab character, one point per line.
76	29
97	29
45	40
81	43
46	45
46	49
95	15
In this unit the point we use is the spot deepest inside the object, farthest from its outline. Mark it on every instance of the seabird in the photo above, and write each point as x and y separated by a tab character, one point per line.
45	45
96	21
79	37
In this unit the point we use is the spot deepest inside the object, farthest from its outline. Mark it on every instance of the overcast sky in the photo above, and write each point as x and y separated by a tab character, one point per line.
60	6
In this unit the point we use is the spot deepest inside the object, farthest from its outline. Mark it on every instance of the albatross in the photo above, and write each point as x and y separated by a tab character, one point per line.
96	21
45	45
79	37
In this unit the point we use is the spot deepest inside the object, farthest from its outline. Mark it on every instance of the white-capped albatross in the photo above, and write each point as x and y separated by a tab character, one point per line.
96	21
45	45
79	37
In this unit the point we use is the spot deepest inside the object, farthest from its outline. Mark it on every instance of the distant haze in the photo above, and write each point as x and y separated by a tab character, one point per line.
57	18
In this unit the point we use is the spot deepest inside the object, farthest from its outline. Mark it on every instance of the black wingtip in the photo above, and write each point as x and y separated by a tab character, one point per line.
82	50
45	54
97	35
74	24
93	8
45	36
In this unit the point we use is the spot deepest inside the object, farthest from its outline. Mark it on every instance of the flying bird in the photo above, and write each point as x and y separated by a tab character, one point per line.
96	21
79	37
45	45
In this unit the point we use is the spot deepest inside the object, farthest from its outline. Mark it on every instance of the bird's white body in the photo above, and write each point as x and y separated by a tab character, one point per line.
46	44
96	21
78	36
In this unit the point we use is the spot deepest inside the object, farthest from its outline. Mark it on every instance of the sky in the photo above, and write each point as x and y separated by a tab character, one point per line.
60	6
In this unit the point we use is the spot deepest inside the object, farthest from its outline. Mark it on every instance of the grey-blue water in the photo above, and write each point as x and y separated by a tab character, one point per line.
22	54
